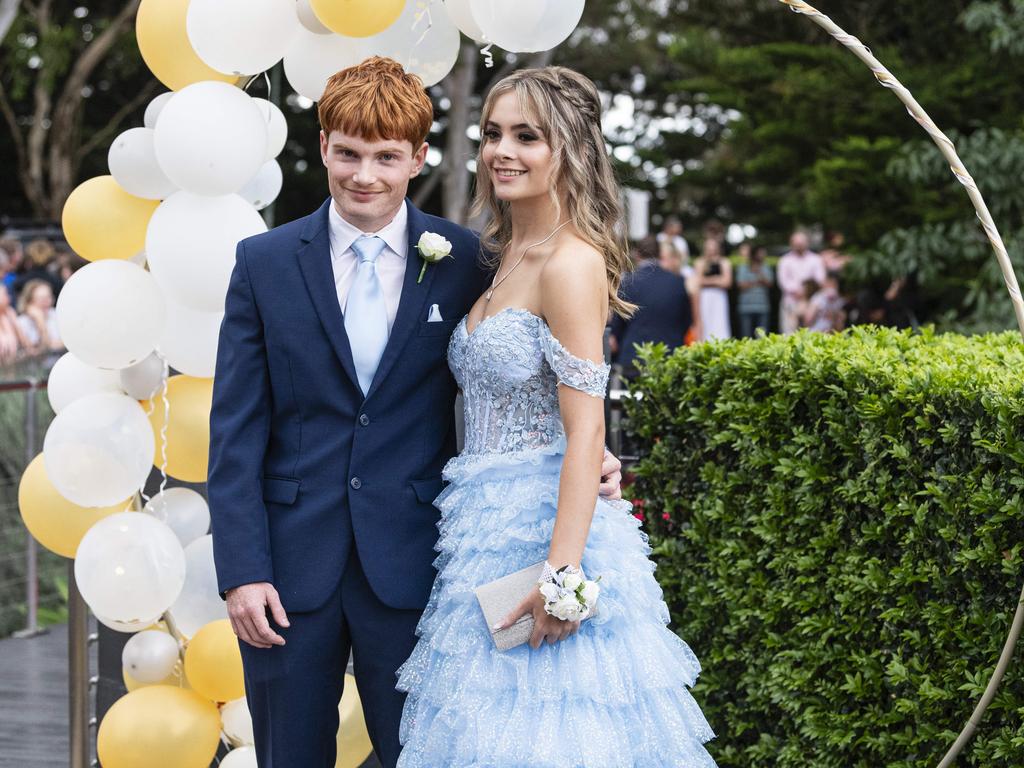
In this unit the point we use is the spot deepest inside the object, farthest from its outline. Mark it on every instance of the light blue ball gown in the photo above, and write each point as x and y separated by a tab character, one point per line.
612	696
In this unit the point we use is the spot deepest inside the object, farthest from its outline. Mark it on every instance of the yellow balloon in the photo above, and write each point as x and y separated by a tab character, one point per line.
102	221
165	47
213	663
357	18
188	429
353	741
159	726
54	521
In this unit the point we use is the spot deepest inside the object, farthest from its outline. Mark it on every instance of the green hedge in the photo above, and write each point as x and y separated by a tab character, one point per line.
839	533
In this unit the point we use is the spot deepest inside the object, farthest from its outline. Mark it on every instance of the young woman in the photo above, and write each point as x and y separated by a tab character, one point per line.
38	318
12	338
715	275
610	692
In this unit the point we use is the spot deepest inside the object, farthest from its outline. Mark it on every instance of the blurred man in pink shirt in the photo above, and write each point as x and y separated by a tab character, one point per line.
796	267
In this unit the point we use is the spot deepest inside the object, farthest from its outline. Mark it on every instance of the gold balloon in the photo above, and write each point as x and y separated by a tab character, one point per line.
102	221
54	521
357	18
159	726
165	47
353	741
213	662
188	430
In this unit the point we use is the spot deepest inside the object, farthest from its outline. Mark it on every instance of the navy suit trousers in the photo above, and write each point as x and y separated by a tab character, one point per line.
294	699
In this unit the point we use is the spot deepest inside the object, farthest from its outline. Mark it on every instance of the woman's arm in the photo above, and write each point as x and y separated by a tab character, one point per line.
576	319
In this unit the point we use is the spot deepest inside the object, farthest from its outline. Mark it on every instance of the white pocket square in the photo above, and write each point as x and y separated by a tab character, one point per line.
435	315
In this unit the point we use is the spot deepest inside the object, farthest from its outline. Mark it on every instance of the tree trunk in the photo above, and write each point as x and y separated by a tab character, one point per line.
49	150
458	147
8	13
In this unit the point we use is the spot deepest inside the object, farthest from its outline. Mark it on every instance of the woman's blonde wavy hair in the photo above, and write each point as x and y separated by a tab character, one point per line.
566	107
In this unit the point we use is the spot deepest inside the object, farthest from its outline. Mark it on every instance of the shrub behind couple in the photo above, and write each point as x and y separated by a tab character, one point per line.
332	437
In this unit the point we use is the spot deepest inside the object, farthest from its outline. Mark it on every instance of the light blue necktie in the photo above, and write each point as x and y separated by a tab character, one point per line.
366	317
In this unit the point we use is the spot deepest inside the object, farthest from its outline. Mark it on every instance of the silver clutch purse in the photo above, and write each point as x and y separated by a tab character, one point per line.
498	598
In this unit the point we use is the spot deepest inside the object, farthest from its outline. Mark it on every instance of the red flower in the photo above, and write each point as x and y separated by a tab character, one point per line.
666	516
639	516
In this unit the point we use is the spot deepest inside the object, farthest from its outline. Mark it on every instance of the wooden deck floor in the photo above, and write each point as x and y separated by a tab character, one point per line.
34	700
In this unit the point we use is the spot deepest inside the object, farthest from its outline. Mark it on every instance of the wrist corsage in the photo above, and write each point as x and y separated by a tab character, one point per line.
568	595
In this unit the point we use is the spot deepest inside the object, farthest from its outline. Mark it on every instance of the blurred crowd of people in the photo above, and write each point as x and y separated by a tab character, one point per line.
31	276
683	299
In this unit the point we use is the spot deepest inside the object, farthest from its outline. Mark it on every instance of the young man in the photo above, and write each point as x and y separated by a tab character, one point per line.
333	415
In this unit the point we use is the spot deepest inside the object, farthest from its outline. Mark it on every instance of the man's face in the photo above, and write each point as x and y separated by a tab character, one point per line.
798	242
369	179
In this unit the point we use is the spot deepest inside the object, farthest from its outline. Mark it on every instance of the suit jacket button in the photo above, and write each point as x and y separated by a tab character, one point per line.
355	482
364	419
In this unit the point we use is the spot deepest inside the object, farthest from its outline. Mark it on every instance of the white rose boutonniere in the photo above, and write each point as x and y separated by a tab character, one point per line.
433	248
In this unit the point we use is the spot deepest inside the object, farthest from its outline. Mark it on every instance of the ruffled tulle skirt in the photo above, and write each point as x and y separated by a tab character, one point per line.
612	696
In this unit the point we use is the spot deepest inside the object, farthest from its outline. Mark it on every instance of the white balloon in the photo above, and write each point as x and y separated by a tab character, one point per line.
189	340
242	757
150	656
211	138
110	313
155	107
199	602
98	451
133	165
144	379
312	59
264	187
427	47
190	244
236	721
71	379
241	37
184	510
127	626
129	566
309	20
462	16
277	126
526	26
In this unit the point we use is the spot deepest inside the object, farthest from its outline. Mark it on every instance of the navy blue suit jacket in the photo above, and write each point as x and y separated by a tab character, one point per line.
301	464
664	312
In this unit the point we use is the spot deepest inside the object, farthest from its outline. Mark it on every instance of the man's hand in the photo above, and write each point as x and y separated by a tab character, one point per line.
247	610
611	476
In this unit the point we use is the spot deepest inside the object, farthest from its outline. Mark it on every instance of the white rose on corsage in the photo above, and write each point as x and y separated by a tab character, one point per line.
571	581
433	248
568	594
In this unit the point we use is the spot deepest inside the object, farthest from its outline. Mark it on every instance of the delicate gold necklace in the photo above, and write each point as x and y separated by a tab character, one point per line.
495	282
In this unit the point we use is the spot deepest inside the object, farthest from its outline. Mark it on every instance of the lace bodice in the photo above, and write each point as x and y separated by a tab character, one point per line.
509	369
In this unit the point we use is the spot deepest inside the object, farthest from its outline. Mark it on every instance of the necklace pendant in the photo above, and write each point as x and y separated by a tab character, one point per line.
488	294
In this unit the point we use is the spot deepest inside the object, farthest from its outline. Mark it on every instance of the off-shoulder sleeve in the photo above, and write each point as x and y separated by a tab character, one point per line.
576	372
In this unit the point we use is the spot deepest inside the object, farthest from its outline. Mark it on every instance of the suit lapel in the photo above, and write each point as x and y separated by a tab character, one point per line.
412	302
315	263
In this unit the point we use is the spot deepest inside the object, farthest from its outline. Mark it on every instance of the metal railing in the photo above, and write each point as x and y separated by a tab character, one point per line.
23	411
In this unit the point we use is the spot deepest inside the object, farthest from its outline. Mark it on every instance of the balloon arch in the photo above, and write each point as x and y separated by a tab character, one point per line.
160	234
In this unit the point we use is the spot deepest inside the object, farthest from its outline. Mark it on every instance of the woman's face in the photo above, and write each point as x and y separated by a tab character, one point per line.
514	153
42	297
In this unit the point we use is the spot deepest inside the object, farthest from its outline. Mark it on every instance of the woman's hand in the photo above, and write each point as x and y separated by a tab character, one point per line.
545	626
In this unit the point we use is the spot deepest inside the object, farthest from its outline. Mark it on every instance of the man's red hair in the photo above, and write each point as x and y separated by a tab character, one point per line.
377	100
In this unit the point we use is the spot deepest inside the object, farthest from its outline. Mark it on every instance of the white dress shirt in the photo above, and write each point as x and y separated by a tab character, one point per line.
390	263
